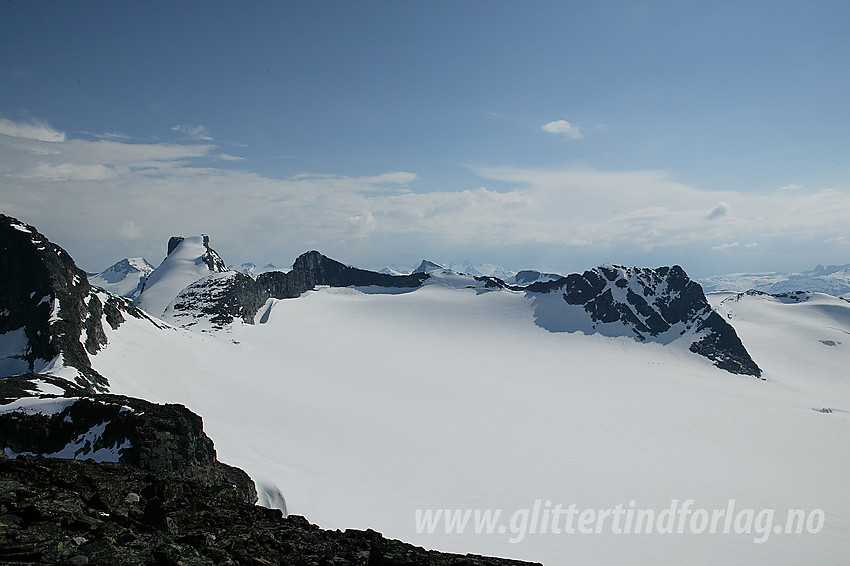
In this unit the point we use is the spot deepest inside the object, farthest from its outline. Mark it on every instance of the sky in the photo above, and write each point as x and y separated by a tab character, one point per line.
549	135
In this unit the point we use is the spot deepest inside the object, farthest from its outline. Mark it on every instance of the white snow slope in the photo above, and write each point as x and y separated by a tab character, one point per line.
124	277
366	405
182	267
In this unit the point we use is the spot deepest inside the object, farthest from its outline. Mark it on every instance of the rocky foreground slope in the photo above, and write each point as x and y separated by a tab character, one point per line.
143	486
131	482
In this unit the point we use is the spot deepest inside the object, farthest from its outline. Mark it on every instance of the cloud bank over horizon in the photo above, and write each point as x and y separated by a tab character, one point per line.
107	198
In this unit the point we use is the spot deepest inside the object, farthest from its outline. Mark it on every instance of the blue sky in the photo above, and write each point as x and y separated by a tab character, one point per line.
555	135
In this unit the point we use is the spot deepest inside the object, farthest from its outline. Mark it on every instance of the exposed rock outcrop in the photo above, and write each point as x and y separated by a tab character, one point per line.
312	268
113	480
167	440
660	304
50	315
81	512
218	299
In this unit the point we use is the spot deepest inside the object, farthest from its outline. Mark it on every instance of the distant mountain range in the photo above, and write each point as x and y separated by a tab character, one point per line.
127	276
832	280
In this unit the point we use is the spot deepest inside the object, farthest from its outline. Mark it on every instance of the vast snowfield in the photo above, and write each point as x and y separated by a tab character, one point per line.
365	405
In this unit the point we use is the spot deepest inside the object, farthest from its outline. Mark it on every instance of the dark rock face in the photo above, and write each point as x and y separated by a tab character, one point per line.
49	302
219	299
81	512
312	268
168	440
212	259
32	384
651	302
721	344
44	295
173	242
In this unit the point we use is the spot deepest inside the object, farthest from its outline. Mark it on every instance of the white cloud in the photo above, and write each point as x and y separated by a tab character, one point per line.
72	190
71	172
228	157
33	130
402	178
718	211
130	231
199	133
83	160
562	127
627	210
724	247
791	187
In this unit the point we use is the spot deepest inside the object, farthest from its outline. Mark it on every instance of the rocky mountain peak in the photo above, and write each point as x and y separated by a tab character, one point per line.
427	266
188	260
313	268
47	304
661	305
125	277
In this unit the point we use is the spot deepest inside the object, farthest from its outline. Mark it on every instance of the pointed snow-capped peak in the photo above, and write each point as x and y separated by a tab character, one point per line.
209	256
248	268
125	277
189	259
427	266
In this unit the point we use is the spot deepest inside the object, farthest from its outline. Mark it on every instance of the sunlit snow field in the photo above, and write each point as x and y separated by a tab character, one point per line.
364	405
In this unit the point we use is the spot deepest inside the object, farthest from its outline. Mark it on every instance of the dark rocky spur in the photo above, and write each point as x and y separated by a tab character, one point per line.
165	499
167	440
82	512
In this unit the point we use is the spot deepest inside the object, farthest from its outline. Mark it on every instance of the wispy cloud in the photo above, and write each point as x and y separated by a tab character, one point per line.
724	247
33	130
790	187
564	128
199	133
402	178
